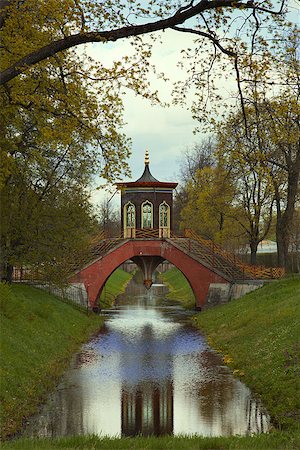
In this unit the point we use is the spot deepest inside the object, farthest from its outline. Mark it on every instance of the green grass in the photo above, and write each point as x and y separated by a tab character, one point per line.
114	286
278	441
259	336
38	336
179	288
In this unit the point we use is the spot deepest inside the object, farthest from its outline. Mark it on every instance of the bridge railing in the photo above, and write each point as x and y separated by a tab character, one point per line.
147	233
205	254
259	272
104	244
135	233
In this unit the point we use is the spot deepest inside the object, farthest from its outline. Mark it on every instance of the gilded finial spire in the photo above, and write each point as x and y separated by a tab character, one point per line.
147	157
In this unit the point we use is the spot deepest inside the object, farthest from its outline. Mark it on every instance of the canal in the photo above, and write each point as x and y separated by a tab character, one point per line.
149	372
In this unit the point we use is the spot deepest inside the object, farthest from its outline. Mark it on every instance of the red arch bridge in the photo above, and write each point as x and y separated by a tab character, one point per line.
202	262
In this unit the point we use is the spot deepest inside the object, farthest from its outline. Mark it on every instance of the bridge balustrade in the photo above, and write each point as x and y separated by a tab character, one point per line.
209	251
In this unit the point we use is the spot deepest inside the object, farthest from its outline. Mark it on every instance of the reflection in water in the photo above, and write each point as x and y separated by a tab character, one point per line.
147	410
149	372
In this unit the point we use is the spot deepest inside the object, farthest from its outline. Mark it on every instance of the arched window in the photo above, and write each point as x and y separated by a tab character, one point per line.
130	215
129	220
147	215
164	220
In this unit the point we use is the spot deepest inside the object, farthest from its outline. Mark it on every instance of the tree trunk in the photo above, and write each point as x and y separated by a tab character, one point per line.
7	273
285	218
7	267
283	239
253	247
280	245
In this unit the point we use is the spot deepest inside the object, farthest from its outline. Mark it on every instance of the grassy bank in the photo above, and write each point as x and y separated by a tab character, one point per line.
114	286
38	335
259	336
180	289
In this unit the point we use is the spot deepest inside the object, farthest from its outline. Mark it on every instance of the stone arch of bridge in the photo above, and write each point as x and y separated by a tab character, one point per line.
95	274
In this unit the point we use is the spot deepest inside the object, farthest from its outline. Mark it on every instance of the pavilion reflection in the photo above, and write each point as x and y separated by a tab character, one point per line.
147	409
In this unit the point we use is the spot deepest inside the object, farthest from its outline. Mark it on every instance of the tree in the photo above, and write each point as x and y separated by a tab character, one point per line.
109	219
199	156
48	161
282	158
76	22
295	242
259	132
209	209
267	166
254	195
54	108
271	126
281	135
55	135
48	231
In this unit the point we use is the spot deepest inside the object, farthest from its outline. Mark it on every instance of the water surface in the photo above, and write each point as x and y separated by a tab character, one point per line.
148	371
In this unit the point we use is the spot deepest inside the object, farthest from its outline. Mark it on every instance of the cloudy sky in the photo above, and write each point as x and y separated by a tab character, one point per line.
165	132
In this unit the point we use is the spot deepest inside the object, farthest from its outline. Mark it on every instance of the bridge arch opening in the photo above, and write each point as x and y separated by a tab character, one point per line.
115	284
122	275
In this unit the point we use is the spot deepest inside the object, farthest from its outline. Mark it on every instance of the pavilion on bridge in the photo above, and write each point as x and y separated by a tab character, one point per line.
146	206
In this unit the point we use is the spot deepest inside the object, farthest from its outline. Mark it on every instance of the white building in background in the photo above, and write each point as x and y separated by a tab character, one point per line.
267	246
264	246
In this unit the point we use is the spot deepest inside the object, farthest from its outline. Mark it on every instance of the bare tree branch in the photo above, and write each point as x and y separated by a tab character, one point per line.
238	80
215	41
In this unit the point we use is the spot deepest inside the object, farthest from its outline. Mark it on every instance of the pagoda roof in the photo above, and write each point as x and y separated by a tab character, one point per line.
147	176
147	179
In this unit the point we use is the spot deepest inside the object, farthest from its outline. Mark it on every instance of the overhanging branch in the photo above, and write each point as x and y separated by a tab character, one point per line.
179	17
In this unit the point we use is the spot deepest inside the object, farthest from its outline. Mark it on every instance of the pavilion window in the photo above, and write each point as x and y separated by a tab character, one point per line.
130	215
164	212
147	215
164	220
129	220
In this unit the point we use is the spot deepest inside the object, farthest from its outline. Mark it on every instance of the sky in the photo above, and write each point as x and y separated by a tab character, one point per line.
165	132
